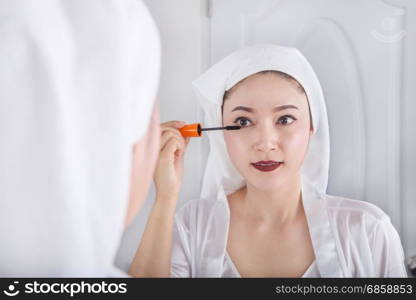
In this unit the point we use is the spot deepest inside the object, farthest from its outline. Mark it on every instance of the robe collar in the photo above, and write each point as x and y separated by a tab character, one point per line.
322	235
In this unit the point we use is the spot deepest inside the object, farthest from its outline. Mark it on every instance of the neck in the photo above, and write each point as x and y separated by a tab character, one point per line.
277	206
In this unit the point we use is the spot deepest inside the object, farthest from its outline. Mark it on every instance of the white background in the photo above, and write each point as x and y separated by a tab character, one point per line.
364	55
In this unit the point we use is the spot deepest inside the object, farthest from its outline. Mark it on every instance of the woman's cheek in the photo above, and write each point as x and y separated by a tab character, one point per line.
236	149
295	146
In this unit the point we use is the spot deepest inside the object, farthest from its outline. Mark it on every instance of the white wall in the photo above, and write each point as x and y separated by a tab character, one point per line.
182	25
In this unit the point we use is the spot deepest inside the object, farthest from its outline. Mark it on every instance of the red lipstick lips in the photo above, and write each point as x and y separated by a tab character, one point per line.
266	166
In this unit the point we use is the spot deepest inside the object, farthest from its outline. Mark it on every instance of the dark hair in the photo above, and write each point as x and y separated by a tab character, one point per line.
266	72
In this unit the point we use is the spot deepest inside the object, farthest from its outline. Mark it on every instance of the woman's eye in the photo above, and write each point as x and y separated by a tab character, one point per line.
243	122
286	120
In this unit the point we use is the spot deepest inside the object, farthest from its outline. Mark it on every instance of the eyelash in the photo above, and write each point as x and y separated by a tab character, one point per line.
285	116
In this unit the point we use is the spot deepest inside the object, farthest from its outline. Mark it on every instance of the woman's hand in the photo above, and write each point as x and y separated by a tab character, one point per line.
169	169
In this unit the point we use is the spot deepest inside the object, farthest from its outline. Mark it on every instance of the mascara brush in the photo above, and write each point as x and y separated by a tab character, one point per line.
195	130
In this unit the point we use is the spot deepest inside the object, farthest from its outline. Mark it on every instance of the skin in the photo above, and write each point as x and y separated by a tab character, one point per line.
268	234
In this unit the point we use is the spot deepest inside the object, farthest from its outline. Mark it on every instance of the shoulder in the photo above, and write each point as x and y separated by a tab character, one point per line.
354	219
361	225
366	237
344	208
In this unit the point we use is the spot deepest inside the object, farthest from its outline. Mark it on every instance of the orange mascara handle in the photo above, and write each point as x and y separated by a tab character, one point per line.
191	130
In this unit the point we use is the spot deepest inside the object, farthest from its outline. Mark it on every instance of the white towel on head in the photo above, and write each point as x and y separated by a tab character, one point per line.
210	88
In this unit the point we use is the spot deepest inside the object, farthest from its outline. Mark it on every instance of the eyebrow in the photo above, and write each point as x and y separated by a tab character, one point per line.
278	108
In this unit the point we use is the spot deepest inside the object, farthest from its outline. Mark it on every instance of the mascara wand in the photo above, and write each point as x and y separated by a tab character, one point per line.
195	130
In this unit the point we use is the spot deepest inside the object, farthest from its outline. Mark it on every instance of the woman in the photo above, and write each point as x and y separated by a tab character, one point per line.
264	211
77	88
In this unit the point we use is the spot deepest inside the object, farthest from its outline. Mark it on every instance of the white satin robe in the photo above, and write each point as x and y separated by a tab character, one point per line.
350	238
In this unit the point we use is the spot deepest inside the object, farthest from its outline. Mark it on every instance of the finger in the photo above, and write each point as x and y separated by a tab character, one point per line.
173	131
180	143
171	149
175	124
167	134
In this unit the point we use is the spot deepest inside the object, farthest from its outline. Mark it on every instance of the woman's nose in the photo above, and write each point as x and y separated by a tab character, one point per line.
266	138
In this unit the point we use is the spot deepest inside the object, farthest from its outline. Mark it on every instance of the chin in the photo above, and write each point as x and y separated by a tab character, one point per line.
263	183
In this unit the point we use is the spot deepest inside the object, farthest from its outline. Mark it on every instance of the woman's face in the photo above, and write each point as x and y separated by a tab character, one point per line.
274	115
